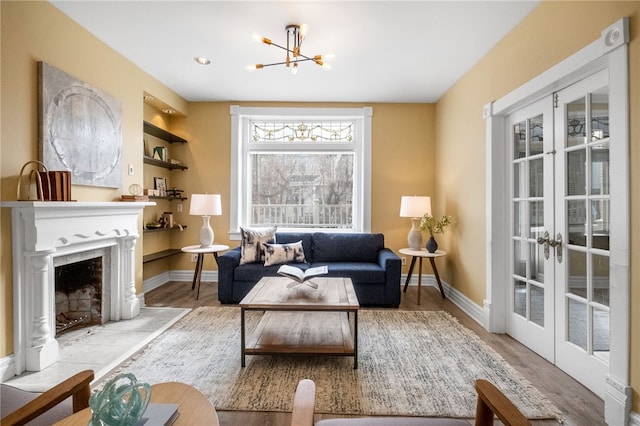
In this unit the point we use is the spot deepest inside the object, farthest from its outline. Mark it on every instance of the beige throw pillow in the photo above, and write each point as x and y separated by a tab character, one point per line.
251	245
276	254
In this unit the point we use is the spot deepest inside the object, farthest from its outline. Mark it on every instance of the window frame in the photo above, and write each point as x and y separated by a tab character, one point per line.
240	120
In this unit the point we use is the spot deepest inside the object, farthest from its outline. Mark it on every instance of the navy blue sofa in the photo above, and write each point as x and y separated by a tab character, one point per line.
373	269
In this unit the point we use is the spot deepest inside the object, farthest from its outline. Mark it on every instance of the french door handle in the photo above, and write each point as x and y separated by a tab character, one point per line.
544	240
557	244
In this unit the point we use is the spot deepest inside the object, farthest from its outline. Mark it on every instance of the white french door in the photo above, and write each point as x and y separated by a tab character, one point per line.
531	301
560	221
583	217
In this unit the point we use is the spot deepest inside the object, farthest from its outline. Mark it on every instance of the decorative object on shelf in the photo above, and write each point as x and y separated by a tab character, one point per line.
45	185
434	227
167	220
153	225
415	207
135	194
295	35
80	129
205	205
161	186
122	401
174	192
160	153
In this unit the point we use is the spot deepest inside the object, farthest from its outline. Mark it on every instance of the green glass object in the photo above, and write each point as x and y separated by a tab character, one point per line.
121	402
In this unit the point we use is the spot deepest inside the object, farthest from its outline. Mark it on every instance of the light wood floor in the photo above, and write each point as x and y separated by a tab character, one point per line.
579	406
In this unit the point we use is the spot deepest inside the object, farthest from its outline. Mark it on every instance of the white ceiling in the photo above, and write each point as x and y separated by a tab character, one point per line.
385	51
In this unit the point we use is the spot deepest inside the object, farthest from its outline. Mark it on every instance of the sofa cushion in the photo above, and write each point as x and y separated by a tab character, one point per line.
359	272
292	237
255	271
251	244
276	254
349	247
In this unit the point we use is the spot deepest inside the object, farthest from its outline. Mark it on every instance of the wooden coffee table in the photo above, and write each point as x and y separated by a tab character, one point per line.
301	320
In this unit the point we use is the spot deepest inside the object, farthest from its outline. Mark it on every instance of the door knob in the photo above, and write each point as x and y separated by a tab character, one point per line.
544	240
557	244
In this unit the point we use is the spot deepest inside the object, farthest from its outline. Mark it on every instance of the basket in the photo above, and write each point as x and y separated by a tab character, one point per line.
46	185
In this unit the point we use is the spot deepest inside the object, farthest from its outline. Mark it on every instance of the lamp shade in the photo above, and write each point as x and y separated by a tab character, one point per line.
414	206
205	205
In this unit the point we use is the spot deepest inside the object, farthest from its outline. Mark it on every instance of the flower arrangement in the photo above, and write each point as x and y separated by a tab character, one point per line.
429	223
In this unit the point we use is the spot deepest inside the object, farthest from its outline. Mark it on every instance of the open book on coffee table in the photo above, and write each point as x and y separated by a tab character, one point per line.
300	276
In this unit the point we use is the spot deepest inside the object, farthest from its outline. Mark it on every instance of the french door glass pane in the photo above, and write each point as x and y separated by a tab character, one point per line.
520	140
600	266
577	324
600	114
577	273
520	298
600	169
576	122
600	321
537	262
519	218
535	135
520	258
519	180
536	219
536	171
600	224
537	305
576	173
577	222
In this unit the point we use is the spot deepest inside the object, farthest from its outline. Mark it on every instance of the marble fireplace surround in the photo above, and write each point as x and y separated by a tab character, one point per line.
43	231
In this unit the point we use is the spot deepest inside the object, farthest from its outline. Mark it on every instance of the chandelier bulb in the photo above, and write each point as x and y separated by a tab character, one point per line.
294	69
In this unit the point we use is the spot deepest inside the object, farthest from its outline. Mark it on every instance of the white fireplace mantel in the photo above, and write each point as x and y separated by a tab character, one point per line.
42	231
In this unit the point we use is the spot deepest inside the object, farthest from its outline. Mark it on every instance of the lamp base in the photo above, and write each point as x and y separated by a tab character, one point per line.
414	239
206	233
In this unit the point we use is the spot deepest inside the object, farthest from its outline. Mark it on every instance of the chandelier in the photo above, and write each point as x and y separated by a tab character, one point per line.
295	36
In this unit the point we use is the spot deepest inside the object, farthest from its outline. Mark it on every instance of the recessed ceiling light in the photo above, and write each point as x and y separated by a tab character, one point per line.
148	98
169	111
202	60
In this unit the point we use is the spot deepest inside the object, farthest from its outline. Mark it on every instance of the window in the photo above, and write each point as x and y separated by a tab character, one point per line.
301	168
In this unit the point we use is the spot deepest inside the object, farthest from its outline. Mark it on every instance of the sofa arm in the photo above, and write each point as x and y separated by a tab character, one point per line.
392	265
227	263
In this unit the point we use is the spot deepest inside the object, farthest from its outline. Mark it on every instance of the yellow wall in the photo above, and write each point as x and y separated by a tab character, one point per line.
551	33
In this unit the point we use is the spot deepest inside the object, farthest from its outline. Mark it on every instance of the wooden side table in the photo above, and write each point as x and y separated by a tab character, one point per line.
201	251
421	254
193	406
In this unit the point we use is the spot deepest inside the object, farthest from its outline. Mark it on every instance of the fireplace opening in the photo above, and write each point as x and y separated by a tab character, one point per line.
79	294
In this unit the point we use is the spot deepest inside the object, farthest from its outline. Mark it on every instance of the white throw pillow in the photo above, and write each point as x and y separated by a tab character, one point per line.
275	254
251	245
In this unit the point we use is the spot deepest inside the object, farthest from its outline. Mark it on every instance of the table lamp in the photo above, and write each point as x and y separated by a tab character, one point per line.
205	205
415	207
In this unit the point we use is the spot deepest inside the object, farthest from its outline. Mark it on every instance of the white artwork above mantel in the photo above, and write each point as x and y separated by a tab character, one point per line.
44	230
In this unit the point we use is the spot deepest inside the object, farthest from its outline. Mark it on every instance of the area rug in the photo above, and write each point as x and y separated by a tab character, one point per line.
410	363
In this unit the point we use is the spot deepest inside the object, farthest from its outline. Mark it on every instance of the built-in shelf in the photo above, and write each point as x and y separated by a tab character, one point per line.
161	133
160	255
163	229
154	197
165	164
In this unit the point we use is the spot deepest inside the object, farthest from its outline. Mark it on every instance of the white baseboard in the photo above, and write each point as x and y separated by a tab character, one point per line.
7	367
469	307
179	275
634	419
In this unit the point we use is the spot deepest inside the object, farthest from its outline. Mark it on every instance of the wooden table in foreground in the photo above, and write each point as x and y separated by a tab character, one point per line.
195	409
301	320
